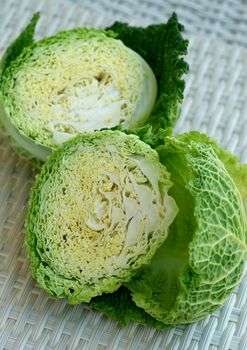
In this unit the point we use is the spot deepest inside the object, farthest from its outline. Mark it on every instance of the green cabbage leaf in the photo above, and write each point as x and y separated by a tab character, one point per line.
162	46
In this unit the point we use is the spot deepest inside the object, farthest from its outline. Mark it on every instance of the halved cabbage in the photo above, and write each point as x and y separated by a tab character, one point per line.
77	81
99	210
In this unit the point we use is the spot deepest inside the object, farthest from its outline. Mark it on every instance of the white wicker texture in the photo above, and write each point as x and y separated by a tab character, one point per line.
215	102
225	19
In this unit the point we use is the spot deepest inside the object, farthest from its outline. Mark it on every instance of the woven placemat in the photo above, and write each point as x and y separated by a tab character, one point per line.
222	19
215	102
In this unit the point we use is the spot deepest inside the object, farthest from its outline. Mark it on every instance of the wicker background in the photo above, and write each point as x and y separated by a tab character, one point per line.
224	19
215	102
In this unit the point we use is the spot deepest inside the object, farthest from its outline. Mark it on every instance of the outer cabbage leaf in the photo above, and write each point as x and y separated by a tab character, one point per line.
25	39
120	307
148	135
23	146
98	211
202	260
163	47
231	162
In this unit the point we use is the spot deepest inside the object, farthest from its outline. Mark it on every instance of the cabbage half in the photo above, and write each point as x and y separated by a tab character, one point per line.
86	79
99	210
77	81
202	259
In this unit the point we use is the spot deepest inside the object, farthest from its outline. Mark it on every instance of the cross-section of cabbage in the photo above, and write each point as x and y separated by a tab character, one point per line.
77	81
100	209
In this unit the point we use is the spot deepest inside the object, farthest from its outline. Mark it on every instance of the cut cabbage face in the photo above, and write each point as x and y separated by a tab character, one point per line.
77	81
100	209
